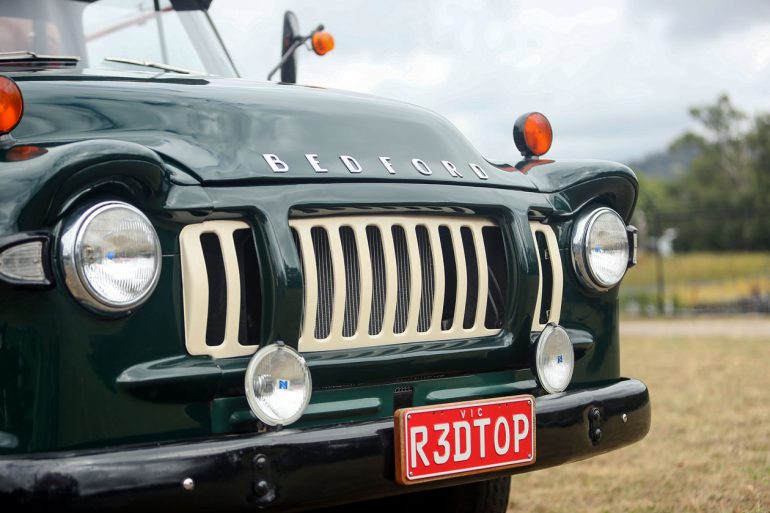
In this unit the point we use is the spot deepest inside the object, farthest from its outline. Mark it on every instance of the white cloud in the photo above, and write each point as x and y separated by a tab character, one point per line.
613	79
370	75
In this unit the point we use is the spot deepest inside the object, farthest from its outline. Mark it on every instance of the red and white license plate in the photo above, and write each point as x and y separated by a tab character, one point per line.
438	442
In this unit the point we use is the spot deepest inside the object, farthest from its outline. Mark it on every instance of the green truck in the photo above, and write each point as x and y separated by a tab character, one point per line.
220	294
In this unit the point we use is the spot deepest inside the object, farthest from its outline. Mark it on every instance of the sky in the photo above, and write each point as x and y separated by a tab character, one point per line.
615	78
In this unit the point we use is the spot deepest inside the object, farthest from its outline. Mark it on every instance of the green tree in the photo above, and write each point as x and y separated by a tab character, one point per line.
719	203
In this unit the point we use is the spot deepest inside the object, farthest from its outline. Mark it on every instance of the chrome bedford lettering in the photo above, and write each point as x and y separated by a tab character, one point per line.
479	171
386	162
351	164
451	168
276	164
313	159
421	167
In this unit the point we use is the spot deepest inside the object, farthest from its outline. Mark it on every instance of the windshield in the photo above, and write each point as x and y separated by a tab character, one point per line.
176	33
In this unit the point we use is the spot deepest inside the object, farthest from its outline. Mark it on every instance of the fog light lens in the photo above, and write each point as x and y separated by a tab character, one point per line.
278	385
554	359
111	257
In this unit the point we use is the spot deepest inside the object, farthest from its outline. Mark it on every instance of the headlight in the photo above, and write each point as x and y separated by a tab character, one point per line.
111	257
554	359
600	249
278	385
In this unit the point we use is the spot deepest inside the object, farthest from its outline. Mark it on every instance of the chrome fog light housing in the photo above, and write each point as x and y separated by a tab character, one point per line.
278	385
111	257
600	249
554	359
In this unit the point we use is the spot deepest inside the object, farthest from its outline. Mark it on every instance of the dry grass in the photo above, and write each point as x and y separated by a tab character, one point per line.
701	278
709	446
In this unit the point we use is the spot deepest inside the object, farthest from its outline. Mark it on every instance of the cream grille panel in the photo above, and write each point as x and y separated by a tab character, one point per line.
196	289
557	272
368	288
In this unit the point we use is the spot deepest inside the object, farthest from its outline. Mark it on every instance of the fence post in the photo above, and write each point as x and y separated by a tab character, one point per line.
660	274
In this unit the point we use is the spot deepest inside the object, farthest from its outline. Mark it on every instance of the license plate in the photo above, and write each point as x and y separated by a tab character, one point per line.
449	440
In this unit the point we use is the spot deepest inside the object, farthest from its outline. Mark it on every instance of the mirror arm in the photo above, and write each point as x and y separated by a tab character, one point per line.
299	41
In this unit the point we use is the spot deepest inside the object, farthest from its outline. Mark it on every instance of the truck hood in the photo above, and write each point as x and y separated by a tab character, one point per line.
230	130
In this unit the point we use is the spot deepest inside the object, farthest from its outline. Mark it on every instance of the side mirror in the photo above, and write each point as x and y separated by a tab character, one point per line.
321	42
290	33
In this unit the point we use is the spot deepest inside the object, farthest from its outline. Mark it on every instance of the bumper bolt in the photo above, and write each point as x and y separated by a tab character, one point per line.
625	418
260	462
188	484
596	415
261	488
596	435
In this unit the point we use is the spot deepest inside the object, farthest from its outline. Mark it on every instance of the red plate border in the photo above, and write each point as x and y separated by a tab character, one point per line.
399	420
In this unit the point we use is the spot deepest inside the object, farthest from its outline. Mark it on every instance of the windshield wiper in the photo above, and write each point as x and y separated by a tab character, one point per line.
156	65
32	57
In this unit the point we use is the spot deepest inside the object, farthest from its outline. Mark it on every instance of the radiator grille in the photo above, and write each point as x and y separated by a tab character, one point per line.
550	283
383	280
221	288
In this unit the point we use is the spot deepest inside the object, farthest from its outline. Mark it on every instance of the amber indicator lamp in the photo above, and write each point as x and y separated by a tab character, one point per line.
532	134
11	105
323	42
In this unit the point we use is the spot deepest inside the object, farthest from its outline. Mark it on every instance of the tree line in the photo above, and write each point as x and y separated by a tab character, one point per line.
720	200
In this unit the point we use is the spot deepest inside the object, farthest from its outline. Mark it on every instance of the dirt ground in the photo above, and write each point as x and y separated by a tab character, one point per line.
709	446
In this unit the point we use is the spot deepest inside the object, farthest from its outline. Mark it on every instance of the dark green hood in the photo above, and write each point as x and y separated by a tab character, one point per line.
220	129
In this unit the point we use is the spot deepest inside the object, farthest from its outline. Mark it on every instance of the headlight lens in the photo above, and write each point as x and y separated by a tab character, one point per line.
600	249
111	256
554	359
278	385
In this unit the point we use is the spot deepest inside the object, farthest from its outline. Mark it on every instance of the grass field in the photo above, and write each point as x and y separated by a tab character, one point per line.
709	446
700	278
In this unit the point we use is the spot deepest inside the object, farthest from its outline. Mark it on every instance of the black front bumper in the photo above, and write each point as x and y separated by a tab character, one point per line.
298	469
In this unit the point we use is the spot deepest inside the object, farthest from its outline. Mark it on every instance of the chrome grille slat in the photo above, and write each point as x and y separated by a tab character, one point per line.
380	280
404	280
426	270
325	276
352	281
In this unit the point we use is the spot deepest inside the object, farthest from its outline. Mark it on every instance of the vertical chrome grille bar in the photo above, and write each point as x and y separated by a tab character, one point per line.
391	278
366	280
311	282
233	279
324	276
438	269
428	281
481	259
352	281
462	281
415	277
377	256
403	272
337	265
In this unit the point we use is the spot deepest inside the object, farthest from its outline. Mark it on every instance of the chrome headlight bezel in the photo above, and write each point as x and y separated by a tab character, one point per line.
72	261
579	249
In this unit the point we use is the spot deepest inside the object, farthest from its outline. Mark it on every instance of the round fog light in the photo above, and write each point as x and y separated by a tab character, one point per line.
278	385
554	359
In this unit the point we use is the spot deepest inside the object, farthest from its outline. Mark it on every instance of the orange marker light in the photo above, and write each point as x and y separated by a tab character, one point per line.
11	105
323	43
532	134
